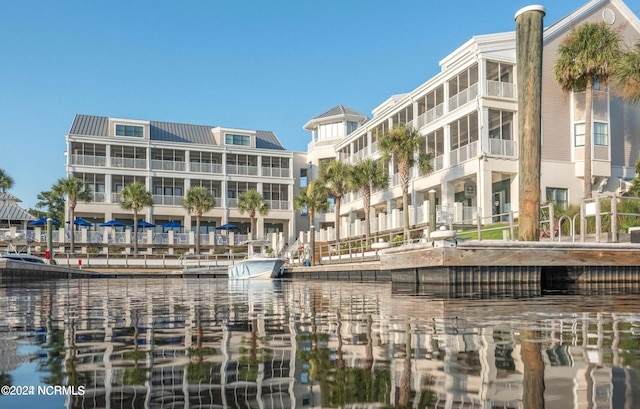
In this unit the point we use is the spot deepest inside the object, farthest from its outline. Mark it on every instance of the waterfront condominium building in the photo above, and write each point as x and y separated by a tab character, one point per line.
468	117
107	154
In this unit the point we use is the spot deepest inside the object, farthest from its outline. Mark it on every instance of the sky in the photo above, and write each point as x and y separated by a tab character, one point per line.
249	64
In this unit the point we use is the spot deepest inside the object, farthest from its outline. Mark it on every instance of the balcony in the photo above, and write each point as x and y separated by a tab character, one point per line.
463	97
242	170
463	154
278	204
276	172
134	163
501	89
502	147
206	167
167	200
430	116
89	160
169	165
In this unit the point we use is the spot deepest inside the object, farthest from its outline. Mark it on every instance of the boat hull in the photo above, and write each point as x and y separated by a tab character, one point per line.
256	269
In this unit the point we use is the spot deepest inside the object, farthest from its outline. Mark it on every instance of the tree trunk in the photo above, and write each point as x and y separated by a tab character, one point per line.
197	234
533	380
337	217
72	229
588	138
529	59
135	231
312	239
403	169
366	201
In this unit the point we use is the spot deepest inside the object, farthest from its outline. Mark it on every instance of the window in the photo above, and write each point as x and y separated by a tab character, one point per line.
559	196
600	133
351	126
232	139
578	134
129	130
303	178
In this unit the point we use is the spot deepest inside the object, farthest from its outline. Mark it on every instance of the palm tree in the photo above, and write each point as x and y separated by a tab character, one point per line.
251	201
6	181
135	197
368	175
401	144
75	190
335	175
587	56
627	75
198	200
314	199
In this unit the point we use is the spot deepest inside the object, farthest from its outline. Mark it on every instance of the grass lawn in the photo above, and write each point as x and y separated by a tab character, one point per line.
489	232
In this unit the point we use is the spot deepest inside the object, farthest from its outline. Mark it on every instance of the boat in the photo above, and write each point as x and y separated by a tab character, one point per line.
21	257
257	265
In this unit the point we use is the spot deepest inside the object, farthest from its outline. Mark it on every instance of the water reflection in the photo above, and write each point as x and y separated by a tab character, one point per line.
213	343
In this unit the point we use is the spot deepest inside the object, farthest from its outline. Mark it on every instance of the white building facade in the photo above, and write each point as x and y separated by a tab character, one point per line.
168	158
468	116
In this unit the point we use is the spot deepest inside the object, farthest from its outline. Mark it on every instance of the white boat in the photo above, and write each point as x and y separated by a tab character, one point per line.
256	265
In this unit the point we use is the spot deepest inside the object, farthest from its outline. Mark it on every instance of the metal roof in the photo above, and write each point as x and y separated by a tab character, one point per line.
91	125
8	197
9	210
171	132
341	110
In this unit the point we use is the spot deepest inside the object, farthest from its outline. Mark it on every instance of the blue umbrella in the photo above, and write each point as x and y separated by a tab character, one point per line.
144	224
227	226
112	223
172	224
43	222
81	222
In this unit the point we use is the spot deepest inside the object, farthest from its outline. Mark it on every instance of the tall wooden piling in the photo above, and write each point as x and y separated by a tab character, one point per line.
529	28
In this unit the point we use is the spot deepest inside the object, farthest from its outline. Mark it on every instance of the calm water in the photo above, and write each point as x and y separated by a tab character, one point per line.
213	343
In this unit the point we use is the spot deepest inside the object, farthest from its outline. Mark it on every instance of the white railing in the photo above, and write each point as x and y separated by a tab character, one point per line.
167	200
278	204
463	154
373	148
437	163
159	164
395	180
501	89
116	198
205	167
331	209
430	116
88	160
503	147
135	163
463	97
232	202
242	170
276	172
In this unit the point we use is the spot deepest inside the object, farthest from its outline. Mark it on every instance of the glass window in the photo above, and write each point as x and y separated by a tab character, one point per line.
129	130
578	133
232	139
559	196
600	133
303	178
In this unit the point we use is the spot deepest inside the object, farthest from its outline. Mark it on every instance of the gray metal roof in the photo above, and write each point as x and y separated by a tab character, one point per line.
90	125
167	131
171	132
9	210
267	140
341	110
8	197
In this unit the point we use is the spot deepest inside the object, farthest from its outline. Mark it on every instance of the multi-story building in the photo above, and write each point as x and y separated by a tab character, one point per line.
169	158
468	115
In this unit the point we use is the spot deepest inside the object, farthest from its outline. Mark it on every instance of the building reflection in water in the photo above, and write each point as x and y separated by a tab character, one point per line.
213	343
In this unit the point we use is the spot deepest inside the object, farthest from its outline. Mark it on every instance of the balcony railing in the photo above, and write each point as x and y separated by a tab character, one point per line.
501	89
158	164
430	116
278	204
232	202
501	147
116	198
463	154
89	160
206	167
242	170
275	172
463	97
167	200
135	163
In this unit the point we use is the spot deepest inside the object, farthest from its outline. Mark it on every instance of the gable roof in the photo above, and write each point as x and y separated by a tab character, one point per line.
91	125
9	210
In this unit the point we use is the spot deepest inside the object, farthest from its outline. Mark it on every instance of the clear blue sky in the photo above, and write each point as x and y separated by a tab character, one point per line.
268	65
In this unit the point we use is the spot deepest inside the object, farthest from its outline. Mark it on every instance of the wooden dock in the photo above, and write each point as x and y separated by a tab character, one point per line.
492	262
